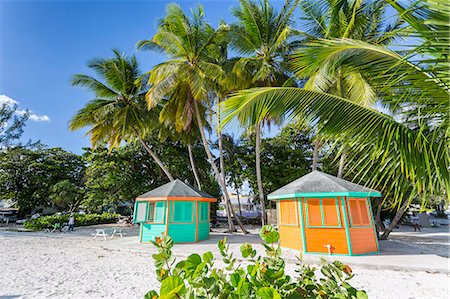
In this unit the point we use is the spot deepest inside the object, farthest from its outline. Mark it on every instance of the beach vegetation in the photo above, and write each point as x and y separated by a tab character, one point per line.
80	220
248	276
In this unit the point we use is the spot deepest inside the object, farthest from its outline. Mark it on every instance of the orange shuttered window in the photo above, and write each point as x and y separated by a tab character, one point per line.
359	212
314	212
330	212
288	212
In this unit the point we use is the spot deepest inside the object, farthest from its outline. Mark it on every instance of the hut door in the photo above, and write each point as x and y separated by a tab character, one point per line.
182	227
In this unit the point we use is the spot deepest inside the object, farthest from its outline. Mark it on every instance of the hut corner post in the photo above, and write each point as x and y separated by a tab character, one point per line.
302	223
372	219
347	230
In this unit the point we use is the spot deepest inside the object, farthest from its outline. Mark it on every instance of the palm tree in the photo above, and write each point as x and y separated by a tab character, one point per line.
231	153
191	45
407	155
118	111
265	37
177	116
327	19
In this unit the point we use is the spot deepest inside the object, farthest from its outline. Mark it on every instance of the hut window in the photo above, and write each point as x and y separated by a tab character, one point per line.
159	212
140	212
314	212
331	212
182	211
288	212
359	215
151	212
203	211
323	212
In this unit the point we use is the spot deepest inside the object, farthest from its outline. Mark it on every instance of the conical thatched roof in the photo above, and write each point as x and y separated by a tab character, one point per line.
316	182
175	188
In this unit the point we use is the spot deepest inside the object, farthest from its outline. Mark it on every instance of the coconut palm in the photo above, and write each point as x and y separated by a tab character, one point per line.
118	111
191	46
358	20
265	37
407	154
177	117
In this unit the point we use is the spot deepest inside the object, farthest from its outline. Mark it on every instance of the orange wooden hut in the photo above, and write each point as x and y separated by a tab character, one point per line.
320	213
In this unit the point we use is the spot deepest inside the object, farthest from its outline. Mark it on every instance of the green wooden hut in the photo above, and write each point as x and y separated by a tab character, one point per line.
175	209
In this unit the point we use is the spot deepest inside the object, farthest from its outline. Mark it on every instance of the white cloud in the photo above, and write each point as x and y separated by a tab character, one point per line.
32	116
7	100
35	117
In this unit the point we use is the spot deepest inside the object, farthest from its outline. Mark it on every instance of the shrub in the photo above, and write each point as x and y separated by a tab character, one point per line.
256	277
80	220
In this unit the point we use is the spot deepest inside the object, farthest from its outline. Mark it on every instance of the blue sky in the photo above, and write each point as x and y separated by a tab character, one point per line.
43	43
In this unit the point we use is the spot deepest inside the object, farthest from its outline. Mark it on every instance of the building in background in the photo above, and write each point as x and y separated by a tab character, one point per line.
249	206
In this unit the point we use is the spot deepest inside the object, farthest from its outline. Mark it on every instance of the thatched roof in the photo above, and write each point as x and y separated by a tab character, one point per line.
316	182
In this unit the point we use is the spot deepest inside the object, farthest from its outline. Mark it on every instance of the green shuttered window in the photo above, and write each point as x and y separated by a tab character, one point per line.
140	212
203	210
182	211
149	212
159	212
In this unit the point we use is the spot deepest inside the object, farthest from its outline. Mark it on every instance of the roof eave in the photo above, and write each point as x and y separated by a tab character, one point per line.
324	194
179	198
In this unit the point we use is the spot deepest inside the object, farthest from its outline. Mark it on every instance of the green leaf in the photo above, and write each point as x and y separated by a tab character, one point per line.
268	293
150	295
171	287
246	250
269	234
207	257
361	295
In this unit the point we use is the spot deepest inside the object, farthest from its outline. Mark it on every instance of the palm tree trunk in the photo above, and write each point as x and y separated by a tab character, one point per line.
394	221
315	153
217	173
341	164
258	173
157	159
194	169
378	223
239	202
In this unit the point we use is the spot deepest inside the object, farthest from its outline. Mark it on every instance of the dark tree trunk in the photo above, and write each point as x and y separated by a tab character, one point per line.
341	164
258	173
395	221
157	159
239	202
315	153
194	169
379	225
217	174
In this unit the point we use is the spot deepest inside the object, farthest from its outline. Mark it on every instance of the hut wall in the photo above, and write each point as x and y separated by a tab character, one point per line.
151	231
362	233
203	231
182	221
289	224
203	220
363	240
318	237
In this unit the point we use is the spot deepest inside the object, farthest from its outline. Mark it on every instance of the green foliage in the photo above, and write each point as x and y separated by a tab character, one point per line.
80	220
27	175
406	155
66	195
254	276
124	173
11	125
284	157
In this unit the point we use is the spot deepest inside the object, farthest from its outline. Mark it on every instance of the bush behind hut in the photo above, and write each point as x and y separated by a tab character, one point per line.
80	220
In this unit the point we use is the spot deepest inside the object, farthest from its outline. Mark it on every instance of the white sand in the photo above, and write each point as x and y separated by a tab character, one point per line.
72	265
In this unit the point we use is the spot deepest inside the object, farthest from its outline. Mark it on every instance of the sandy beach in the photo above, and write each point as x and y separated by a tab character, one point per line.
73	265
